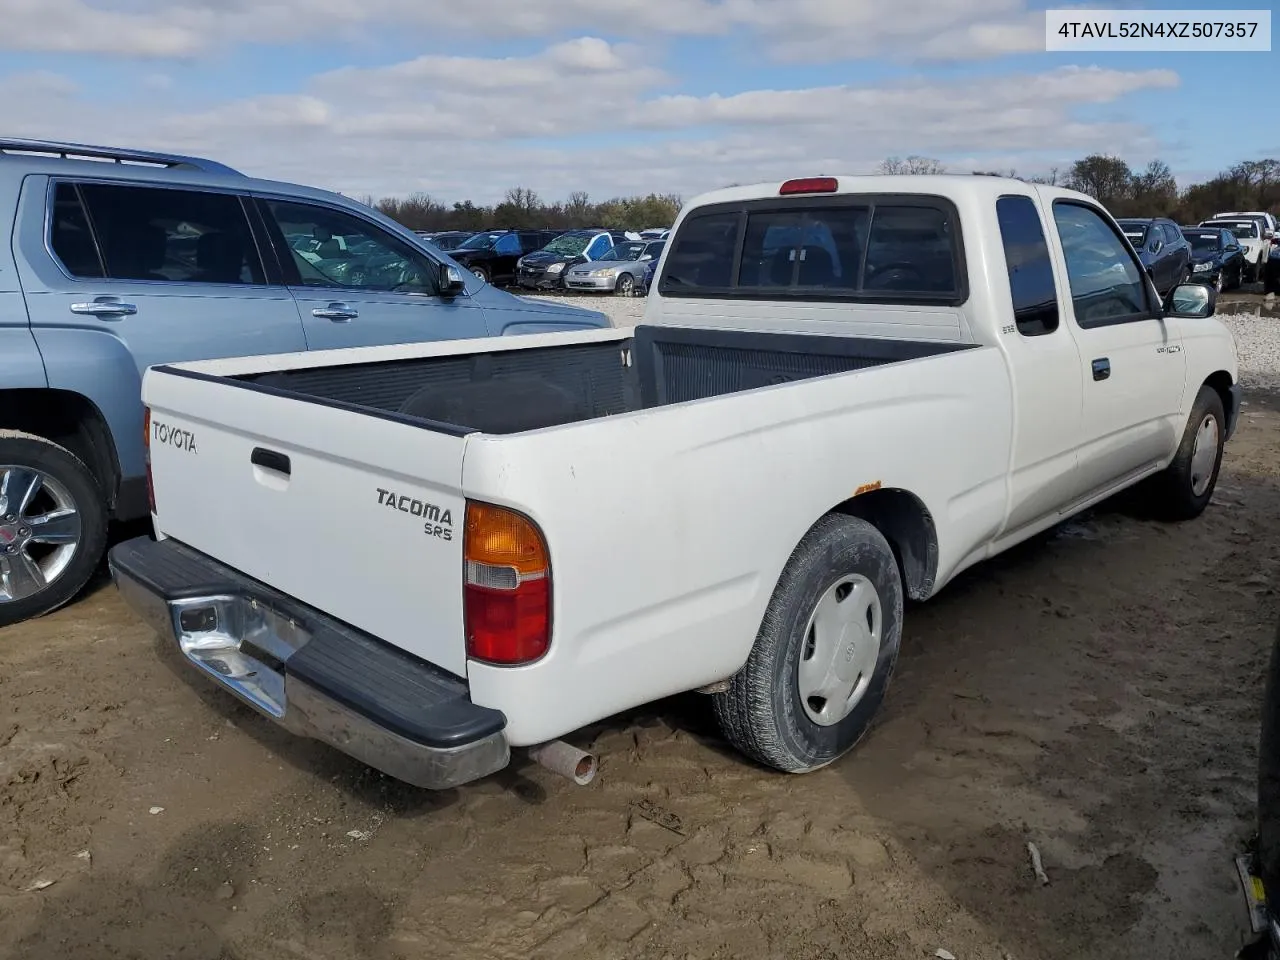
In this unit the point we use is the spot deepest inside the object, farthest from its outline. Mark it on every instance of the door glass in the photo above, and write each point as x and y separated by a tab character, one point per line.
507	244
1106	284
331	248
1031	284
180	236
72	241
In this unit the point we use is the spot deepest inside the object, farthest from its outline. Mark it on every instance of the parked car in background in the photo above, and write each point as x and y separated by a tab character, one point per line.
619	270
1162	248
492	256
544	269
655	233
1216	257
110	268
449	239
1271	270
1269	228
1250	234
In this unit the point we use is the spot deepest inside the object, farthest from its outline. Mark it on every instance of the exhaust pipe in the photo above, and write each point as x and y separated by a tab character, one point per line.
568	761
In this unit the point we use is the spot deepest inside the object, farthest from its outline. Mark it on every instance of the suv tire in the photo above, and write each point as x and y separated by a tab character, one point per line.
53	526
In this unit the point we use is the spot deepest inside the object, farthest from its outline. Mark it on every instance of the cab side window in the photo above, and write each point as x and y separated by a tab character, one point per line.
1026	255
508	243
1107	285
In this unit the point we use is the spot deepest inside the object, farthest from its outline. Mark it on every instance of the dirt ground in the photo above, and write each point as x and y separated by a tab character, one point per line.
1095	692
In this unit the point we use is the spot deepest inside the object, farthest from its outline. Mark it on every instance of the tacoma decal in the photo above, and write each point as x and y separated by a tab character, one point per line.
439	522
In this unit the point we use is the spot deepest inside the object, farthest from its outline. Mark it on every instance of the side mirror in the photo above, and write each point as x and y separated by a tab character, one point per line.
1156	246
647	257
451	282
1193	301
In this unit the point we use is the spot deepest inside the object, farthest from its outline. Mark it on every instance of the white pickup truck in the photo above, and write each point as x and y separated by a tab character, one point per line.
844	392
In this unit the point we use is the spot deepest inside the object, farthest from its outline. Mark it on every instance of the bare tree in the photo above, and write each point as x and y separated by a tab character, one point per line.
913	164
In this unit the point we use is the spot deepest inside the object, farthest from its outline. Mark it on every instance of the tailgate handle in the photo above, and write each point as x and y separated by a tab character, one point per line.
270	459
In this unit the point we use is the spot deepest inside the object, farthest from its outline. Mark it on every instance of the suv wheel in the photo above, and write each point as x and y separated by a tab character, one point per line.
53	526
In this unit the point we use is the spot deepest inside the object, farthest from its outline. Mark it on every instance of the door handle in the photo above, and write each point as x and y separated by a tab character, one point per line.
271	460
105	307
1101	368
337	312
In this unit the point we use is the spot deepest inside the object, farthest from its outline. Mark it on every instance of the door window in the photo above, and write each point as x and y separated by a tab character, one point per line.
599	245
1107	285
153	233
508	244
332	248
1031	283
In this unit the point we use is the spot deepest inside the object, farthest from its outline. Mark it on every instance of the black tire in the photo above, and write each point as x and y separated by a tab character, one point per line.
625	285
761	712
78	484
1173	493
1220	281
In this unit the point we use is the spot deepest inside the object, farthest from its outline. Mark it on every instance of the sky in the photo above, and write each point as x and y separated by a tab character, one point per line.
463	99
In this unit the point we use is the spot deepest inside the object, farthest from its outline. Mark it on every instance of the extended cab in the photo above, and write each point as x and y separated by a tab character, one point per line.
844	392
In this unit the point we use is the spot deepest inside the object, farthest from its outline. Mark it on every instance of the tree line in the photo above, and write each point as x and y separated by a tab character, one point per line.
522	208
1150	192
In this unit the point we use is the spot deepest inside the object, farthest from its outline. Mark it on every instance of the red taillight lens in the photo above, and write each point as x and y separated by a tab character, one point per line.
146	452
507	588
809	185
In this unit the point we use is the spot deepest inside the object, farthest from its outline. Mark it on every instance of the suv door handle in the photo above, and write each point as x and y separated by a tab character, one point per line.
105	307
1101	368
337	312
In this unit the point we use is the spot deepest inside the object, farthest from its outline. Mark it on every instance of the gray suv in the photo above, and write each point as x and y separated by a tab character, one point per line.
121	259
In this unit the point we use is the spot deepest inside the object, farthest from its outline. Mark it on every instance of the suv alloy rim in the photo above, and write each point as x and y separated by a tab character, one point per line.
39	531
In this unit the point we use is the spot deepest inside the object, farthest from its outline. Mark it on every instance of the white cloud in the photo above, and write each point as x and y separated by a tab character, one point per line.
461	127
792	29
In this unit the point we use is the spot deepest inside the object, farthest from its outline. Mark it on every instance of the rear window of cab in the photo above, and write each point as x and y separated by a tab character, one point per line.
860	247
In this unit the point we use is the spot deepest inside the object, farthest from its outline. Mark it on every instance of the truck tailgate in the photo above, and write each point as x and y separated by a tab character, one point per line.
356	513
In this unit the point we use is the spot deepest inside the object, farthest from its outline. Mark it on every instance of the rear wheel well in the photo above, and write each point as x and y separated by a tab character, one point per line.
1221	384
908	526
70	420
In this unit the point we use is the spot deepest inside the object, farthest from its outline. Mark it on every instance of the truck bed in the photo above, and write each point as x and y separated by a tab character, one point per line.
508	391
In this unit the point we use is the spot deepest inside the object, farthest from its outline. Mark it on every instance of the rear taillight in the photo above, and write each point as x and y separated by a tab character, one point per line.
146	452
507	590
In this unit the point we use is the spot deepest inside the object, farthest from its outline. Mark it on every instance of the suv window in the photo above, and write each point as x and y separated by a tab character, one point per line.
508	243
1026	254
1106	284
1171	233
154	233
72	241
332	248
894	249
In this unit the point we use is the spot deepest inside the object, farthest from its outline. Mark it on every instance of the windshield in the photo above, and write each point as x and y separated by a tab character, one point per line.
1134	231
1244	229
568	245
481	241
1204	242
630	250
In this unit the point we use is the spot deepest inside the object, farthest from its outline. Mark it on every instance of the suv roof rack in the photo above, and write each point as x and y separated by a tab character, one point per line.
75	150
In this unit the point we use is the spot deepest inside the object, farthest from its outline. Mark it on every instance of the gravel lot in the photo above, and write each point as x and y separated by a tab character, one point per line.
1095	691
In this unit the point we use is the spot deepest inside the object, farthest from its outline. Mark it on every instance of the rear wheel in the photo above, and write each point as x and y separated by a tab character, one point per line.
824	654
1185	487
53	526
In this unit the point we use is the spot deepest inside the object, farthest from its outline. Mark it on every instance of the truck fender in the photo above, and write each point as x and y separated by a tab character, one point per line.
908	525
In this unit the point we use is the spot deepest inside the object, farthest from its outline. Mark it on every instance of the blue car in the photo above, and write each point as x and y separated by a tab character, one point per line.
157	258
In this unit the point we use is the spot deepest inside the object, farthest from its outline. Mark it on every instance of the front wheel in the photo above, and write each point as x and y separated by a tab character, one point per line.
625	286
480	274
53	526
1185	487
824	654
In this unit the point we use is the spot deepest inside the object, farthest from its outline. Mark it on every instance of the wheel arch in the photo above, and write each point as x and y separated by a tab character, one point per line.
908	525
71	420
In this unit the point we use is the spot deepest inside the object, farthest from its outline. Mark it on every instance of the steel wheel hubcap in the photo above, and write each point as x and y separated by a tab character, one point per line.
1204	455
840	649
479	274
39	531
